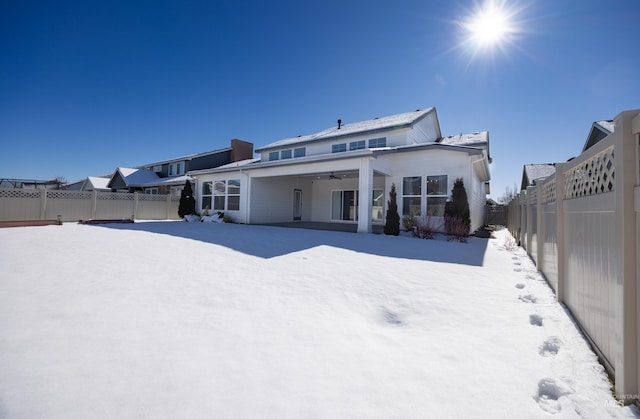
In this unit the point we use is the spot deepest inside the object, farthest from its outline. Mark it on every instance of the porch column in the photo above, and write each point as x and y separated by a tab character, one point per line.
365	185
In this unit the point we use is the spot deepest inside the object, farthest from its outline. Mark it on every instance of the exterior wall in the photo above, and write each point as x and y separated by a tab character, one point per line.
208	161
272	199
432	163
477	200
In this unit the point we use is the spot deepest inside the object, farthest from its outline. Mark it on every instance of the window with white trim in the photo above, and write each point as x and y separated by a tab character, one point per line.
151	191
378	142
411	195
299	152
339	148
285	154
437	195
357	145
176	168
274	155
223	194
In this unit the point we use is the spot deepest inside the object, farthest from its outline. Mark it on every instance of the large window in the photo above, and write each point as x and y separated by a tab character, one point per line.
221	195
285	154
436	195
344	205
299	152
411	195
274	155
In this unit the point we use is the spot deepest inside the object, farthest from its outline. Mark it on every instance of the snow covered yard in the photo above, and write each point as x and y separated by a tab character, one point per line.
203	320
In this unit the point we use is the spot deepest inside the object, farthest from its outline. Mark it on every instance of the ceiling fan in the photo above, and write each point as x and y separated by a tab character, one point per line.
332	176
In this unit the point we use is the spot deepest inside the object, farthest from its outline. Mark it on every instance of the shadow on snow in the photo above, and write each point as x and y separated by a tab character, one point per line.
268	241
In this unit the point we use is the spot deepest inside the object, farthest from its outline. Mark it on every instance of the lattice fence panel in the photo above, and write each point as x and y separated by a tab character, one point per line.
69	195
116	196
152	198
21	193
592	177
549	192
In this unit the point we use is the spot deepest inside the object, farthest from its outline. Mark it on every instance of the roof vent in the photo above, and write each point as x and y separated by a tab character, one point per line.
339	123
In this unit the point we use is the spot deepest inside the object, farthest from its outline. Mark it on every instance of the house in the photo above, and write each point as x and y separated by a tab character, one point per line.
95	183
344	173
169	176
599	130
533	172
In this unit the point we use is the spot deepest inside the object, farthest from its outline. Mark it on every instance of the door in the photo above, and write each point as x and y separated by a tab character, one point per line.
297	204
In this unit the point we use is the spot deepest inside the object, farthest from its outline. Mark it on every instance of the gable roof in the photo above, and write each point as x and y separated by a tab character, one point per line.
598	131
533	172
95	183
403	120
125	177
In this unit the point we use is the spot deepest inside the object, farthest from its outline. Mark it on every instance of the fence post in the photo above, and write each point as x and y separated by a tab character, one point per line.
134	214
94	203
626	363
169	206
539	228
560	242
43	203
529	205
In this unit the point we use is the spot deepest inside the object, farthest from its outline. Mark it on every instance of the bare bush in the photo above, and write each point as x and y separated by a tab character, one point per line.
457	229
425	227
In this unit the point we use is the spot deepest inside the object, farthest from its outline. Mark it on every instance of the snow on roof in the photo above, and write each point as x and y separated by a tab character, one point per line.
475	138
138	177
608	126
98	182
239	163
538	171
386	122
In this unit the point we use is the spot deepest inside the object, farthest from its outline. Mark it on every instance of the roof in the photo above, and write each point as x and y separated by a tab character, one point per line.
402	120
532	172
599	130
474	139
136	177
187	157
97	182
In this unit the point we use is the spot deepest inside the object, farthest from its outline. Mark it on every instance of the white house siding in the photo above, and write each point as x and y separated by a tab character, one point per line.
432	163
477	200
236	216
272	199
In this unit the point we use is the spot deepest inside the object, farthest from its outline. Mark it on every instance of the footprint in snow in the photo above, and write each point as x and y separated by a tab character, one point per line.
550	391
518	270
391	317
535	320
517	263
520	286
550	347
528	298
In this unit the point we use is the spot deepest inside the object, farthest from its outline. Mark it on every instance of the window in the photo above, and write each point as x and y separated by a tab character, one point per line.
344	205
436	195
223	194
377	205
339	148
176	168
176	190
285	154
151	191
378	142
299	152
233	195
411	195
219	192
207	189
274	155
357	145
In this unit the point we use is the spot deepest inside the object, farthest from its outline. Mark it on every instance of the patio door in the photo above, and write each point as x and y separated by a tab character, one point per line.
297	204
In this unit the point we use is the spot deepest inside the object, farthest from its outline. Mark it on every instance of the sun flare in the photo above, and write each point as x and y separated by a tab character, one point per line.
488	26
491	26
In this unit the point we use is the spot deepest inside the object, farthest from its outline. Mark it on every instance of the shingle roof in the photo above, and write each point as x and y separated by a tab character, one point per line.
474	139
533	172
400	120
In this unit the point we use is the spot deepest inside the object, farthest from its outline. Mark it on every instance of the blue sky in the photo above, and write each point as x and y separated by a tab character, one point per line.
87	86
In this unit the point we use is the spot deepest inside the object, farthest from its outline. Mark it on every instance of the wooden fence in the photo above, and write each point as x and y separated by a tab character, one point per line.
580	227
42	204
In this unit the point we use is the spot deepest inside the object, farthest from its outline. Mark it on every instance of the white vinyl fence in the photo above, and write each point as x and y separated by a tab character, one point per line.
580	226
42	204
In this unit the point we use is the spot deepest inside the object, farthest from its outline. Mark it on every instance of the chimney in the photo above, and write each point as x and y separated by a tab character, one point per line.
339	123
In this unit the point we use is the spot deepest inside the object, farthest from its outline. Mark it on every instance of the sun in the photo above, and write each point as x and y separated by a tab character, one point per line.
488	26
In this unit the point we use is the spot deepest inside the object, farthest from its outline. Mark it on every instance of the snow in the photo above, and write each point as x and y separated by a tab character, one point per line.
203	320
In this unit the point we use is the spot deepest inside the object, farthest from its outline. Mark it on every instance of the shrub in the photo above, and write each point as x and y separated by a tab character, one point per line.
409	222
425	227
392	222
187	201
457	221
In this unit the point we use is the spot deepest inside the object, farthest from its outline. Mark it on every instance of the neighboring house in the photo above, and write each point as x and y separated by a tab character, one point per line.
95	183
169	176
599	130
54	184
533	172
344	174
